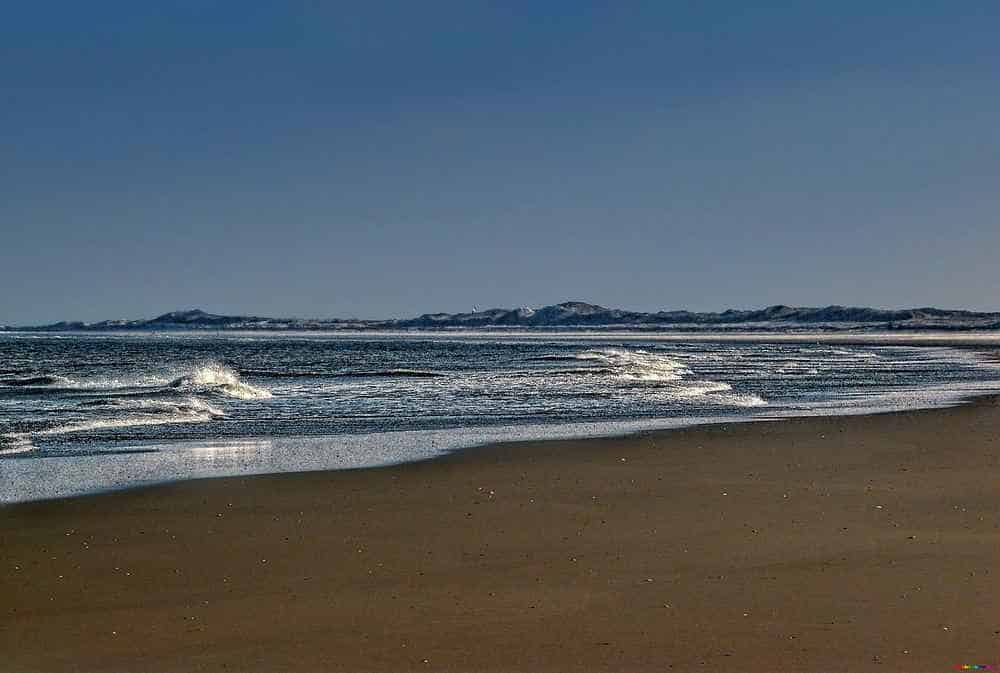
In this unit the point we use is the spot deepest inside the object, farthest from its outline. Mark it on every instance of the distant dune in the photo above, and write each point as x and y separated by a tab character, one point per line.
575	314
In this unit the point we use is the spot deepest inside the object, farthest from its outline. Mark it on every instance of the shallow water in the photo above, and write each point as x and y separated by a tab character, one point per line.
86	412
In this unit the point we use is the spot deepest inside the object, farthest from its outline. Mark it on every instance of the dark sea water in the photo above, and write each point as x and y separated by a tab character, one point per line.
87	412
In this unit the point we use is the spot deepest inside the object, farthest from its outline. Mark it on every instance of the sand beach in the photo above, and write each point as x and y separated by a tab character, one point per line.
862	543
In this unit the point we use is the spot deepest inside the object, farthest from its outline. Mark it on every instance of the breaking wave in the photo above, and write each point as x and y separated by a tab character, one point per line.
637	365
211	377
145	399
217	378
668	376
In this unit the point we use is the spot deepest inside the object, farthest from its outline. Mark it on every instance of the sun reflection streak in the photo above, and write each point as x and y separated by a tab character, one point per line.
238	451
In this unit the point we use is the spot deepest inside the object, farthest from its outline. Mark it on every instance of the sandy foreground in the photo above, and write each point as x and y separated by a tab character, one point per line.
836	544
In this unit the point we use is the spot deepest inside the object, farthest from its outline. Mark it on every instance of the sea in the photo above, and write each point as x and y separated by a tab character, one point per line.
90	412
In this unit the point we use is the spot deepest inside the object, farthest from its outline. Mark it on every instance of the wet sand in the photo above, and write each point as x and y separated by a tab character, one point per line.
826	544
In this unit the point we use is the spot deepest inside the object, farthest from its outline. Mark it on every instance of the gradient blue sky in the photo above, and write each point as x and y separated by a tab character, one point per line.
379	159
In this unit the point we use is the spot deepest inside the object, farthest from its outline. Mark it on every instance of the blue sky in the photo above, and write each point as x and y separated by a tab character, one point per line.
388	158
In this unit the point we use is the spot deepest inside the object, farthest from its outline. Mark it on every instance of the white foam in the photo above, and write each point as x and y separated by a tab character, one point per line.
222	379
140	413
212	377
15	444
637	365
125	422
746	400
668	375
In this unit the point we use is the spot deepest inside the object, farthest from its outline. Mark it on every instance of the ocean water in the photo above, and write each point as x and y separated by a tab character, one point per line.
89	412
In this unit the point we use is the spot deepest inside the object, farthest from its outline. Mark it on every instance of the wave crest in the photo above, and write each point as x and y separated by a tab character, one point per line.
667	375
638	365
218	378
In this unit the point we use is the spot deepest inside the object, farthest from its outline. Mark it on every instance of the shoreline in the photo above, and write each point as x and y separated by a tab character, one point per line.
814	544
452	441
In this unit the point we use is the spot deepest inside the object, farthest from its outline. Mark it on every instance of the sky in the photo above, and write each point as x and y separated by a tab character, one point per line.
385	159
